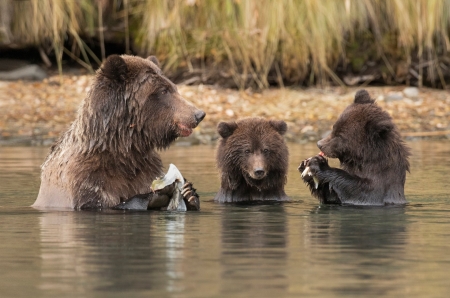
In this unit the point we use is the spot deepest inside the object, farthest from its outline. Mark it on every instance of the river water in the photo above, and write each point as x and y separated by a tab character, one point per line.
274	250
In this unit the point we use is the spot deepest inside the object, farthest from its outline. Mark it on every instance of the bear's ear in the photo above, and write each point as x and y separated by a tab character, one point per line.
381	128
115	68
384	127
154	60
362	96
226	129
279	125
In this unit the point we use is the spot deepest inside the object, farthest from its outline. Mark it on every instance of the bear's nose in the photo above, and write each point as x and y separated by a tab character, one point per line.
319	144
199	115
259	173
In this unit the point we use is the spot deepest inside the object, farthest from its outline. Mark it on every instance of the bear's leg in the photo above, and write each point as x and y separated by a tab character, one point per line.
161	199
344	186
138	202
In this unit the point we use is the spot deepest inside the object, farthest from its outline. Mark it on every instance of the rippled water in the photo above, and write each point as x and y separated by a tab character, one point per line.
280	250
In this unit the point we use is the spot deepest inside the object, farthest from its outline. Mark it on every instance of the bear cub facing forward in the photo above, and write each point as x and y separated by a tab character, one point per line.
372	155
252	158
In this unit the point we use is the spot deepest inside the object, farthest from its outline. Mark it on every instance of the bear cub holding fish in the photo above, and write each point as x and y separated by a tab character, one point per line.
372	155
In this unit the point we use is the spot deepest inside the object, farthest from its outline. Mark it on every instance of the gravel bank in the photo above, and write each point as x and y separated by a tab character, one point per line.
36	113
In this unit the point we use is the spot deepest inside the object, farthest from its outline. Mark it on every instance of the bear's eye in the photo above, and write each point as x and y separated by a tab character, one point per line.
266	150
247	151
163	92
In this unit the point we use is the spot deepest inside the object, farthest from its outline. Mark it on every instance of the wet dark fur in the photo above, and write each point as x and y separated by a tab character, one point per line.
373	158
243	144
108	154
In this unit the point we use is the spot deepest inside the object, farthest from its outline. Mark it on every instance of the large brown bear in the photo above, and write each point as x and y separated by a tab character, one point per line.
108	156
373	158
252	158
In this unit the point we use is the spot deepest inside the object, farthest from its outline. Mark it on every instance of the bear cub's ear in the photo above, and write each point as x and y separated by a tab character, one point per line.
115	68
279	125
362	96
154	60
226	129
384	127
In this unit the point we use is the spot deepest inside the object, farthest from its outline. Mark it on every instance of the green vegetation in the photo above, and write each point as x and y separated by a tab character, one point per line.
251	41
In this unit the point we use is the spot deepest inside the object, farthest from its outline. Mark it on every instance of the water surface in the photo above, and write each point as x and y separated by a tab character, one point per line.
271	250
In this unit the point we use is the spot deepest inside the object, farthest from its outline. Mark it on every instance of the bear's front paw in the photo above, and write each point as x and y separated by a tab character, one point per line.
303	165
306	173
190	196
317	164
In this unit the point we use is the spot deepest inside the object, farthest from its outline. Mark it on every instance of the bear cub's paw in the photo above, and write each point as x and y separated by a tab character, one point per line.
314	164
309	169
190	196
303	165
317	164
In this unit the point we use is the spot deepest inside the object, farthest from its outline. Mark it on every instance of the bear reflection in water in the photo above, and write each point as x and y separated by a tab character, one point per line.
373	158
254	248
252	159
365	242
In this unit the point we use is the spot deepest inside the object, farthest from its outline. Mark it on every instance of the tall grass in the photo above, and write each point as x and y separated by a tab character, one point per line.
301	41
50	23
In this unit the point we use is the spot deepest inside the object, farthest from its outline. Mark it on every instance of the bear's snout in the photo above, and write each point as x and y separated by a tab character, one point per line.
259	173
187	117
320	144
257	167
324	145
199	116
327	147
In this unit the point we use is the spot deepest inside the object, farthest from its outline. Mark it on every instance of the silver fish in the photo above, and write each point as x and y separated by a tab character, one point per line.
308	172
173	176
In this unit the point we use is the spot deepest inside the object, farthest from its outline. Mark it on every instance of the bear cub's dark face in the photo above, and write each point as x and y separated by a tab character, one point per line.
252	149
362	128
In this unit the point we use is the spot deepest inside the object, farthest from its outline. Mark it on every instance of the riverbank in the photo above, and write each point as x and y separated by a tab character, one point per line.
36	113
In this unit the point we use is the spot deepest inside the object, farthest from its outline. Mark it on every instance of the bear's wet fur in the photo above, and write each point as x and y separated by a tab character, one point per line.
108	155
252	158
372	155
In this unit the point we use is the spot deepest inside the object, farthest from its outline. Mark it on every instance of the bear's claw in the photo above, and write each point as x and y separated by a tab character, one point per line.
190	196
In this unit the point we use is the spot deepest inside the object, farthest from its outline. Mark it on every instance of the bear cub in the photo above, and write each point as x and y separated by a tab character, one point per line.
252	158
372	155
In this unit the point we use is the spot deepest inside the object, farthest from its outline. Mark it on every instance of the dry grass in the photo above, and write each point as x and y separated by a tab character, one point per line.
299	40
